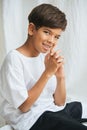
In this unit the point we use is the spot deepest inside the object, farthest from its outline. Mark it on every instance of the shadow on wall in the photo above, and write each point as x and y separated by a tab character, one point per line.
2	121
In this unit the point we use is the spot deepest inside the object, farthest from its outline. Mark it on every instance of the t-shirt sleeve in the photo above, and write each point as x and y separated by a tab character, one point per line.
12	81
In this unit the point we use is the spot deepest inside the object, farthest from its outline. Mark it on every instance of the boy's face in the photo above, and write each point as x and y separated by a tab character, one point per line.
45	38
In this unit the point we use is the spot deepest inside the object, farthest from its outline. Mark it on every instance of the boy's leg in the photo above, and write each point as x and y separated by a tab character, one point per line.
53	121
76	110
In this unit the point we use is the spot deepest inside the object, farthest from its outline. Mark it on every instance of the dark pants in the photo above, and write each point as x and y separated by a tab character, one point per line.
67	119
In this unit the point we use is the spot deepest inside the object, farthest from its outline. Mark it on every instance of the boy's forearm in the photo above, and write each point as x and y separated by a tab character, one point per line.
60	92
35	92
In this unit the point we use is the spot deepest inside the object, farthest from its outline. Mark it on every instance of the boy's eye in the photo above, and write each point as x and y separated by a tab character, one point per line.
47	32
56	37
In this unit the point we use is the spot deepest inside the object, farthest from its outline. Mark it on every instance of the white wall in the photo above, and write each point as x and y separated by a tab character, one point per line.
2	46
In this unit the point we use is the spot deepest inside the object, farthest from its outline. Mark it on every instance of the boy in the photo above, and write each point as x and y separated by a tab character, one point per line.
33	84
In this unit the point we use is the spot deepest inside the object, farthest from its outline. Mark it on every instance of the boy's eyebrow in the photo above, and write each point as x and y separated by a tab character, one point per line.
51	31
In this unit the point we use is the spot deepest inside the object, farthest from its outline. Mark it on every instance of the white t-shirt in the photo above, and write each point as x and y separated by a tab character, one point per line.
17	75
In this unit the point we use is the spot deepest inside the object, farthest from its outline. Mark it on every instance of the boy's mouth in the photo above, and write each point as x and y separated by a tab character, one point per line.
46	47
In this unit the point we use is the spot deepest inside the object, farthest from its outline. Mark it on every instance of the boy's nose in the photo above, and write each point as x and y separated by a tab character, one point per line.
51	40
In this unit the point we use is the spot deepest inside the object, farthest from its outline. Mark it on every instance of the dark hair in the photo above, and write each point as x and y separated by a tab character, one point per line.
49	16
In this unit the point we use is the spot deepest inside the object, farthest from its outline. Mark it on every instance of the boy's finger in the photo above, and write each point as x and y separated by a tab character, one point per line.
57	54
52	50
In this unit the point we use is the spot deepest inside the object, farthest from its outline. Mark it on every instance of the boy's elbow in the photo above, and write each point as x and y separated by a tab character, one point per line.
60	103
24	107
23	110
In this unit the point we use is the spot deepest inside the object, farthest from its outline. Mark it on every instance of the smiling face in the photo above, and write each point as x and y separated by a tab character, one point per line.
43	39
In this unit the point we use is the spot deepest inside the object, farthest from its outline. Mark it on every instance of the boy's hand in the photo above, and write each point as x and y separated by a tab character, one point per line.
60	63
54	63
60	60
50	65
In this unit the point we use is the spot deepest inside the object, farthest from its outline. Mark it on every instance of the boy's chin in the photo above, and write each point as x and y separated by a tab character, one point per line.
45	52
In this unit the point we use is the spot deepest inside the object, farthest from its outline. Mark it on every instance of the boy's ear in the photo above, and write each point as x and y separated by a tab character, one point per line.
31	29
